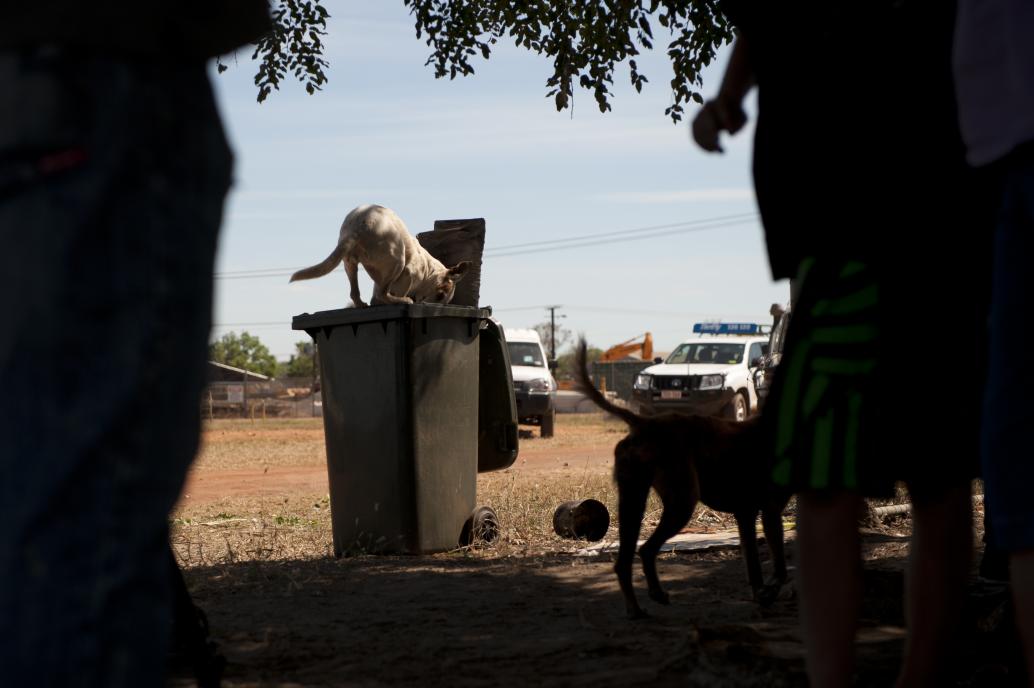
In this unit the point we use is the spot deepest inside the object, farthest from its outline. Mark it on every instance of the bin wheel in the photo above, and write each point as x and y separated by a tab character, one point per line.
548	421
481	527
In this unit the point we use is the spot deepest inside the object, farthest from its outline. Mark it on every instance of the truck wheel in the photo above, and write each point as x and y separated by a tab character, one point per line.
548	420
737	408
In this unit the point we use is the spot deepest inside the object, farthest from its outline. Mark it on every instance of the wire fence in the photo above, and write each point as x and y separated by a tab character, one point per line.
282	398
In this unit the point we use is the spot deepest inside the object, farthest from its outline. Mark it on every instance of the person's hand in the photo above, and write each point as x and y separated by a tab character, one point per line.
717	115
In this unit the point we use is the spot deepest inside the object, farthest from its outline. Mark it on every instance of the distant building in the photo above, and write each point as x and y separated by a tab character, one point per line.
220	372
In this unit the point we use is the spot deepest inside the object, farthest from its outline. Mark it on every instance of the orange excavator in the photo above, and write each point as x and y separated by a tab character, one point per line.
643	349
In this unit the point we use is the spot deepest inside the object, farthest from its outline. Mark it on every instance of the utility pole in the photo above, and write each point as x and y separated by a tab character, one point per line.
552	335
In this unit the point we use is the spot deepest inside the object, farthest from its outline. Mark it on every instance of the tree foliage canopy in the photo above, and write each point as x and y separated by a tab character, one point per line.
563	335
565	361
244	351
294	44
303	362
586	39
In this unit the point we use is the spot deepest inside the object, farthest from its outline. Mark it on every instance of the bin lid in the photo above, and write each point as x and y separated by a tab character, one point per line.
356	316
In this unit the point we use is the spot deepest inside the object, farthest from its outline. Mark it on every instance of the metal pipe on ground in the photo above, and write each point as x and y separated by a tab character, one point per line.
895	509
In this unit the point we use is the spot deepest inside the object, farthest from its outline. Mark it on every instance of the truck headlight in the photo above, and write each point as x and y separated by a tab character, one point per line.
643	382
711	382
540	386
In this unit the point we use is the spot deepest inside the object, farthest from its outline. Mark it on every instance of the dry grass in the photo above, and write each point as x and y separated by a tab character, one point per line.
253	529
298	526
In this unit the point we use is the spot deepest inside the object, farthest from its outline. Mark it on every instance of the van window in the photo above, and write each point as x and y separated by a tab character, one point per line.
526	354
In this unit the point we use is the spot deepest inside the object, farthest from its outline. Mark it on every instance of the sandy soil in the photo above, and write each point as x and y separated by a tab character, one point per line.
294	460
207	486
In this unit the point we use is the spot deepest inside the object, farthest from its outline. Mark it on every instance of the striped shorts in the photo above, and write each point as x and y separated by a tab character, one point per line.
824	398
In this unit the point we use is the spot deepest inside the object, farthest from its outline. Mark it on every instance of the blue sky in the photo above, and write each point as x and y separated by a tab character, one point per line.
491	145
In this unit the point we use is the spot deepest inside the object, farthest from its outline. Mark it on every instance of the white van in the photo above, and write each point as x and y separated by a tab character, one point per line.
533	384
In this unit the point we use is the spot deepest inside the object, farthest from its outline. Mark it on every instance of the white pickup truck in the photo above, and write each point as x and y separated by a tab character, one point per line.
711	373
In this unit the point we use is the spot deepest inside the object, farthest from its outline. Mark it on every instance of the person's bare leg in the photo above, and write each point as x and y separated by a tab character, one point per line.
1022	576
938	566
828	548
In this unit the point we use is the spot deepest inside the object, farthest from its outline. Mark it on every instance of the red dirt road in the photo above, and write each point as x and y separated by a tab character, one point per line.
207	485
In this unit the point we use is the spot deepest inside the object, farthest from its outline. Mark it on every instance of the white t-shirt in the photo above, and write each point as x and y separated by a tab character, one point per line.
994	76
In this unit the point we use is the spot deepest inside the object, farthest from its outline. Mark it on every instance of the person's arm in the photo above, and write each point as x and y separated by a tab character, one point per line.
725	111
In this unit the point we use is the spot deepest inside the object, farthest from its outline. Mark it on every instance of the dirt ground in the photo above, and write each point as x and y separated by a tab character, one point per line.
294	460
252	532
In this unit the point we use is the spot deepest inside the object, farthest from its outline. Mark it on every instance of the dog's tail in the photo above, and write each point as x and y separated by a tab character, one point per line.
321	269
583	384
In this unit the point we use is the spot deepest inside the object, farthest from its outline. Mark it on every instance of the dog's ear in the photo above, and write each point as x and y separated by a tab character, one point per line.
457	271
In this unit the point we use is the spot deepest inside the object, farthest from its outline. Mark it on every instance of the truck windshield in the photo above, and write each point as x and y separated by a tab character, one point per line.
526	354
705	352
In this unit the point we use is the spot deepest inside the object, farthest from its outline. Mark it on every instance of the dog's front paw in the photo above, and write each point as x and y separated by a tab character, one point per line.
660	597
767	594
359	303
635	614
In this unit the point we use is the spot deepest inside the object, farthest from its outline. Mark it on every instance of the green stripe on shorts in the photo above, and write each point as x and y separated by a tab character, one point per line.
842	366
822	451
854	412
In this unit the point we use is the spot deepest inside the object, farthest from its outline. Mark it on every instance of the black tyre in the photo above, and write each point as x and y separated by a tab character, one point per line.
738	409
481	527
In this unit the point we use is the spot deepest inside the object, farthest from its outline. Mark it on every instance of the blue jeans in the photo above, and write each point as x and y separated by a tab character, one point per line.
1008	461
112	180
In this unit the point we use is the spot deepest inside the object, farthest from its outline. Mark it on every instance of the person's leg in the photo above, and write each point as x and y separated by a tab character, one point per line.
821	421
1021	570
1008	470
830	576
105	282
938	567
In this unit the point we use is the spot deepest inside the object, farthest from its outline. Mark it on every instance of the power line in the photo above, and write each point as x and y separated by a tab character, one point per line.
629	311
591	309
618	240
252	324
235	326
626	232
581	241
518	308
273	272
642	311
255	271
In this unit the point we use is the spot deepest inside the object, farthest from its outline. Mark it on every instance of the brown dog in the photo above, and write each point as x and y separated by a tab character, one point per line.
687	459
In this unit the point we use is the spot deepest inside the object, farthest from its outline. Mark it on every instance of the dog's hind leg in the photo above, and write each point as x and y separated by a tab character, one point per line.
772	521
352	270
633	490
679	501
746	524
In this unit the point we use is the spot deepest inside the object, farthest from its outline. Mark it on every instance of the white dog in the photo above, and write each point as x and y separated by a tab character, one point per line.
402	271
